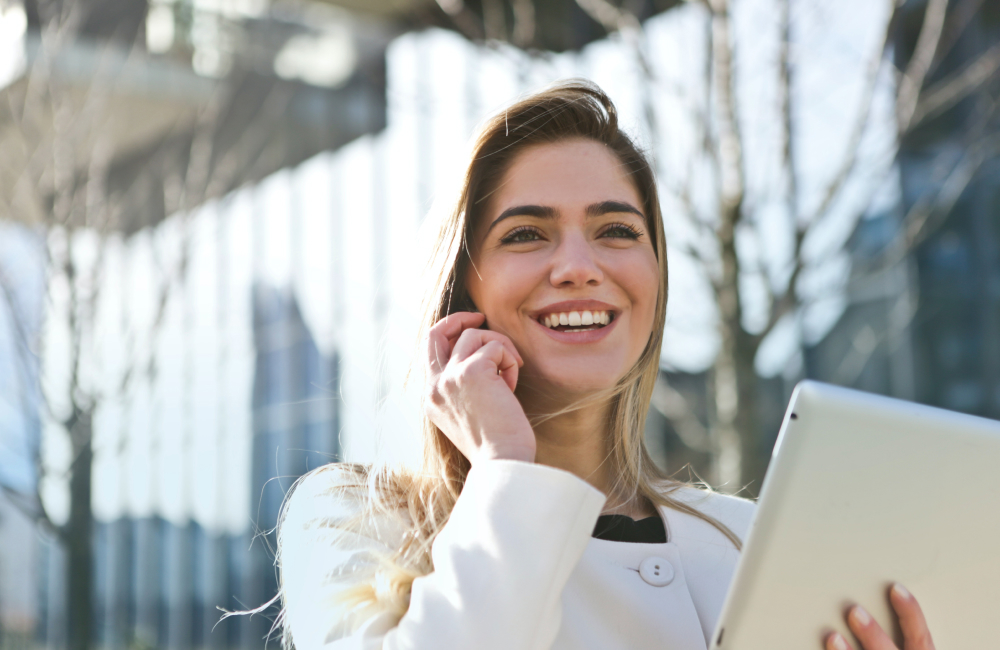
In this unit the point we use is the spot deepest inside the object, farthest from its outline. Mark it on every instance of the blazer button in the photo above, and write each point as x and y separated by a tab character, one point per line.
656	571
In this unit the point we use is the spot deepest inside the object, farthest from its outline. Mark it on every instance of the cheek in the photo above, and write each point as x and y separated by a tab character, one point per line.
641	281
499	287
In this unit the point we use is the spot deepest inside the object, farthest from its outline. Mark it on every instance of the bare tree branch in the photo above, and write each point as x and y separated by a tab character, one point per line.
948	92
929	212
31	507
866	341
785	98
672	405
20	329
701	227
730	142
955	23
609	16
615	19
912	81
922	219
788	300
926	214
850	160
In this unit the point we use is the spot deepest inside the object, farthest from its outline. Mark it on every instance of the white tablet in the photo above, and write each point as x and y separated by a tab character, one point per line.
864	491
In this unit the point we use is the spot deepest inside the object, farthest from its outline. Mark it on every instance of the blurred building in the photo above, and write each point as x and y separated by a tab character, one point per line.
21	309
259	90
296	397
956	327
160	582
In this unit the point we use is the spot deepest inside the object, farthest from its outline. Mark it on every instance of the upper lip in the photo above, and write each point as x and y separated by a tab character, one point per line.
572	305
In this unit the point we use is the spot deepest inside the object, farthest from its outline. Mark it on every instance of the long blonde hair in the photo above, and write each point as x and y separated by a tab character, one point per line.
423	500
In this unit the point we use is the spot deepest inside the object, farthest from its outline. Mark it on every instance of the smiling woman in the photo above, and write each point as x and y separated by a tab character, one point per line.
572	243
537	519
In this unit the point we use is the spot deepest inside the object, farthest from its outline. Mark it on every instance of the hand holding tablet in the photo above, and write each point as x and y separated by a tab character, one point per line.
865	492
916	635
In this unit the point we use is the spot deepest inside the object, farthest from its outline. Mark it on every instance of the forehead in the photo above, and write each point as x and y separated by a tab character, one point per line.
564	175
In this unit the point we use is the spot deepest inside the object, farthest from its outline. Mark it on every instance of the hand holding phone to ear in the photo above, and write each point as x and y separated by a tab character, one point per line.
469	395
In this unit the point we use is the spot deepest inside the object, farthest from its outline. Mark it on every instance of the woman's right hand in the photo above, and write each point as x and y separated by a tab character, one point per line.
916	635
470	390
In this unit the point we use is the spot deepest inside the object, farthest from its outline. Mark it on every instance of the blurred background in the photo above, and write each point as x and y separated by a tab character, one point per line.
210	231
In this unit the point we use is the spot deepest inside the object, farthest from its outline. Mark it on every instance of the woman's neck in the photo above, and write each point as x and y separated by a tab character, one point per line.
577	442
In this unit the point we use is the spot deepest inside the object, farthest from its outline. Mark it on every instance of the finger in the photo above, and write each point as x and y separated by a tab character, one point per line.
454	324
508	367
836	641
472	339
442	336
916	635
499	357
869	633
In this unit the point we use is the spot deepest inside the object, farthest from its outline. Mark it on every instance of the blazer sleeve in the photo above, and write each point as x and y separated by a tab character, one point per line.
500	565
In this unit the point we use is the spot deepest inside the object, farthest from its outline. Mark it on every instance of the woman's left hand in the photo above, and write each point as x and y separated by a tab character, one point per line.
916	636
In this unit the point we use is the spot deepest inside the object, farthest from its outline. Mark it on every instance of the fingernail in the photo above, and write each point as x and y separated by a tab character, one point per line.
901	591
861	617
839	643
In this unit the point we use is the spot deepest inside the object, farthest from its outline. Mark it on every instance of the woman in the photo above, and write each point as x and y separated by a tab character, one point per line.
538	519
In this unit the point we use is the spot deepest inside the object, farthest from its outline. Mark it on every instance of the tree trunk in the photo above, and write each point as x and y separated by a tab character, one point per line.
78	536
734	383
752	460
735	430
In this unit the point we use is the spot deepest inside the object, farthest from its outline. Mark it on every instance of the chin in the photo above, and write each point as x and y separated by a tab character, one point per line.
572	382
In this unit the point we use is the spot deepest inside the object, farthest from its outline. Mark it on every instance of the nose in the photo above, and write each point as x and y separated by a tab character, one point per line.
575	264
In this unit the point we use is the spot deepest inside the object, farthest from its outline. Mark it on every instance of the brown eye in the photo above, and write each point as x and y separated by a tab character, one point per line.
621	231
520	235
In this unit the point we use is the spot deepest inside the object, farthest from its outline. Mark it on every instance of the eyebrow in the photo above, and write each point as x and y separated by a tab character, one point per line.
607	207
546	212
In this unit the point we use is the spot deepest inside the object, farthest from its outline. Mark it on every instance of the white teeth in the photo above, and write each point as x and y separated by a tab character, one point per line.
577	319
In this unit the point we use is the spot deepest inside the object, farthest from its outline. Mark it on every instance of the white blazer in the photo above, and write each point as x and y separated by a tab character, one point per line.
515	567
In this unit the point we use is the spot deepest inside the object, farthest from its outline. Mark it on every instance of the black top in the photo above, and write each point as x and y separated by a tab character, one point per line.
620	528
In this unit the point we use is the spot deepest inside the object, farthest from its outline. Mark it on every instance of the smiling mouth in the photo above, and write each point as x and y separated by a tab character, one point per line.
577	321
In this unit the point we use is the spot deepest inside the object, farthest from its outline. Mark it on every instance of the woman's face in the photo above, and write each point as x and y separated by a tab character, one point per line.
563	264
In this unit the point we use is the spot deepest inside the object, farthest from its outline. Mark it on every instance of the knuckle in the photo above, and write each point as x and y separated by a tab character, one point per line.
434	395
477	364
451	382
482	366
493	346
